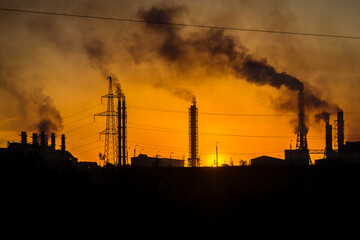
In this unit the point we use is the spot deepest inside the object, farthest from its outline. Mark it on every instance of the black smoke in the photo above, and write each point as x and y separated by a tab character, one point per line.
215	51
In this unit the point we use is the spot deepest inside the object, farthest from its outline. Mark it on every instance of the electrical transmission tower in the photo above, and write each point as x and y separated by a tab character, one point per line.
111	151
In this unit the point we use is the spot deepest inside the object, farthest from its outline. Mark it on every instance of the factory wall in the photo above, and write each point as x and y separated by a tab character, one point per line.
297	157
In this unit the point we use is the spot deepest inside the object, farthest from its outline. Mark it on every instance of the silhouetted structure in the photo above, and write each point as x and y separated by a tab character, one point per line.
147	162
193	160
122	121
328	138
348	153
340	130
63	147
47	155
267	161
301	142
299	156
111	134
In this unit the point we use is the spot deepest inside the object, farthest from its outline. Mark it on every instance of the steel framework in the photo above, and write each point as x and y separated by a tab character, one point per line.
111	150
193	160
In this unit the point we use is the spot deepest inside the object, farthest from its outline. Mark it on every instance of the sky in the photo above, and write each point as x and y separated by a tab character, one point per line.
53	72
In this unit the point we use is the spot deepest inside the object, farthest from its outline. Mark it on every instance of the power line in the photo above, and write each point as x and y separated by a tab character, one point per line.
181	24
210	113
84	110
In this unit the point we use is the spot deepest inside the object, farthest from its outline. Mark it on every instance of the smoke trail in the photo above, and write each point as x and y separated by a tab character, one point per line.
35	110
325	116
214	50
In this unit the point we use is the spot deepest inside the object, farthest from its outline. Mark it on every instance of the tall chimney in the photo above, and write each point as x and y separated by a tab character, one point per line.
35	139
193	136
53	140
301	143
23	138
43	139
62	142
340	127
328	136
124	137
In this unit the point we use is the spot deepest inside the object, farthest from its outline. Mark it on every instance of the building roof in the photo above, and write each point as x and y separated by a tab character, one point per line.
267	161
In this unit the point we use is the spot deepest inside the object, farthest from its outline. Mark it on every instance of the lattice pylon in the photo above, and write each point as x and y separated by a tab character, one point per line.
111	149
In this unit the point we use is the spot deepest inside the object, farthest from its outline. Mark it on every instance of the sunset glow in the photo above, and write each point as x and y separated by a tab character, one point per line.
65	61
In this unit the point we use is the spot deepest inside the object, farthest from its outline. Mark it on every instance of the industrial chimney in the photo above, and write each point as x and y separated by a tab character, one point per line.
62	142
52	141
301	142
23	138
193	160
340	129
43	139
35	141
328	137
121	129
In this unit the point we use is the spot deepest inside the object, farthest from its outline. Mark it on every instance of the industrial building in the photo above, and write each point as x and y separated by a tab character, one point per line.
294	157
267	161
345	154
348	153
47	156
148	162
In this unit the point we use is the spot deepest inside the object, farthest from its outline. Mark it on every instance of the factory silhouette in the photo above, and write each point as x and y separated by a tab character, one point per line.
176	191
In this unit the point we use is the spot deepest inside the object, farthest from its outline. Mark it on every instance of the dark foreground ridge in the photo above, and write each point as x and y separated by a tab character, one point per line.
179	196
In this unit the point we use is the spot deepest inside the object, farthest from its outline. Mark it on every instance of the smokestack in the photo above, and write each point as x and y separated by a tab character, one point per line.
35	139
301	143
43	139
193	136
124	117
62	142
328	137
122	129
23	138
53	140
340	127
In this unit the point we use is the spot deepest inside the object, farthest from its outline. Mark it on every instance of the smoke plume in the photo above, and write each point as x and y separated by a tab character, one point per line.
33	110
325	116
215	51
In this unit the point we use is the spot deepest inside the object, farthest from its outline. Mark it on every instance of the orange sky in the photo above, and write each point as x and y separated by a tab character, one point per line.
47	52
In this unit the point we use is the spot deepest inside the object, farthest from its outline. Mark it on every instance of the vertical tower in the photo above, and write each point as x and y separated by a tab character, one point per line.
23	138
217	157
122	120
193	160
110	132
53	141
63	147
301	142
328	138
340	130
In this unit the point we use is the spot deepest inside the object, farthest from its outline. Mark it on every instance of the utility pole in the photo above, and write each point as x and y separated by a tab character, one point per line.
217	158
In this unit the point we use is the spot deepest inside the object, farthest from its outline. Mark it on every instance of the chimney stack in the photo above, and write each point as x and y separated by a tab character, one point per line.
193	160
340	127
328	135
301	143
43	139
53	140
35	139
62	142
23	138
